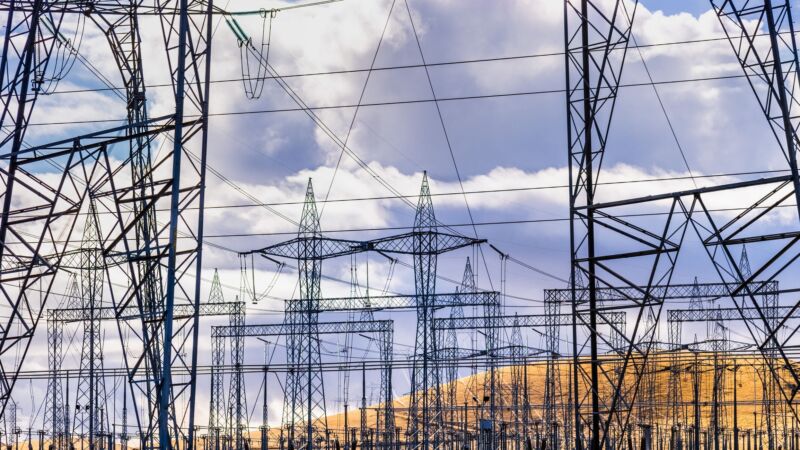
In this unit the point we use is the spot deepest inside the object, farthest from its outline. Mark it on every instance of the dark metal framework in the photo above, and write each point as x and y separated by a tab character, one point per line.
150	260
383	329
639	254
150	263
305	393
58	415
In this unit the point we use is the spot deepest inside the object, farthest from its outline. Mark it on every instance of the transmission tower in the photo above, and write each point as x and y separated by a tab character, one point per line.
150	262
425	408
597	36
450	347
644	254
56	413
91	394
26	71
236	402
520	408
304	403
217	409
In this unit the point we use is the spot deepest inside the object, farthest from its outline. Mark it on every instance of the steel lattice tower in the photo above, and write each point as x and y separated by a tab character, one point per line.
56	413
216	410
596	36
450	347
552	383
305	399
236	403
24	70
516	395
123	35
133	246
642	255
90	398
425	409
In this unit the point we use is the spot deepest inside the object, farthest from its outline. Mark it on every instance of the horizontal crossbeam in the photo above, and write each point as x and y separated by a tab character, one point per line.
525	321
663	292
390	302
107	313
282	329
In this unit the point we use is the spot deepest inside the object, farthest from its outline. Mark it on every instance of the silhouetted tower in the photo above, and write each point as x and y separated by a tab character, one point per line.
91	394
450	341
425	409
56	416
519	405
216	412
647	397
305	399
675	388
236	401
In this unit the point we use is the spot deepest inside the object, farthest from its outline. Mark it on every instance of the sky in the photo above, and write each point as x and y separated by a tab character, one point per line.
514	142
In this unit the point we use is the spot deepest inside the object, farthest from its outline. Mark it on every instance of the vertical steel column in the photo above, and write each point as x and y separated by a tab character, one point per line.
593	30
425	414
164	390
216	411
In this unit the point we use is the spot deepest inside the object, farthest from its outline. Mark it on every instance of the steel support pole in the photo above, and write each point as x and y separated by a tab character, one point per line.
574	269
589	192
735	410
200	222
788	127
165	389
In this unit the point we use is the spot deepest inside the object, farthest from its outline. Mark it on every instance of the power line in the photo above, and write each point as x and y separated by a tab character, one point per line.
400	66
258	204
507	190
407	102
446	135
664	111
355	113
469	224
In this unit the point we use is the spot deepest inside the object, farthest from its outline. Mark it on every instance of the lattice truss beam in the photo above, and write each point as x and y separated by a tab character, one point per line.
398	301
147	266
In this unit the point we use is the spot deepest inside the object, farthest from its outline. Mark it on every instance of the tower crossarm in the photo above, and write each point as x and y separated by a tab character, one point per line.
731	314
312	248
663	292
435	243
528	320
283	329
392	302
90	143
108	313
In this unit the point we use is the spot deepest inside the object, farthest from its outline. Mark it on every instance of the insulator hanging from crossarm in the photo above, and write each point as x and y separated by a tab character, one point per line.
251	291
244	281
238	32
253	57
390	274
63	54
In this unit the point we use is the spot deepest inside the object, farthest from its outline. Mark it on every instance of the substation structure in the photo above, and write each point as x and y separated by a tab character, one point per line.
110	243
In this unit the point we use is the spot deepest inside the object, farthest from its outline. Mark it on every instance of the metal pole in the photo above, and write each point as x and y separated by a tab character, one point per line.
696	403
735	410
589	189
200	225
165	390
